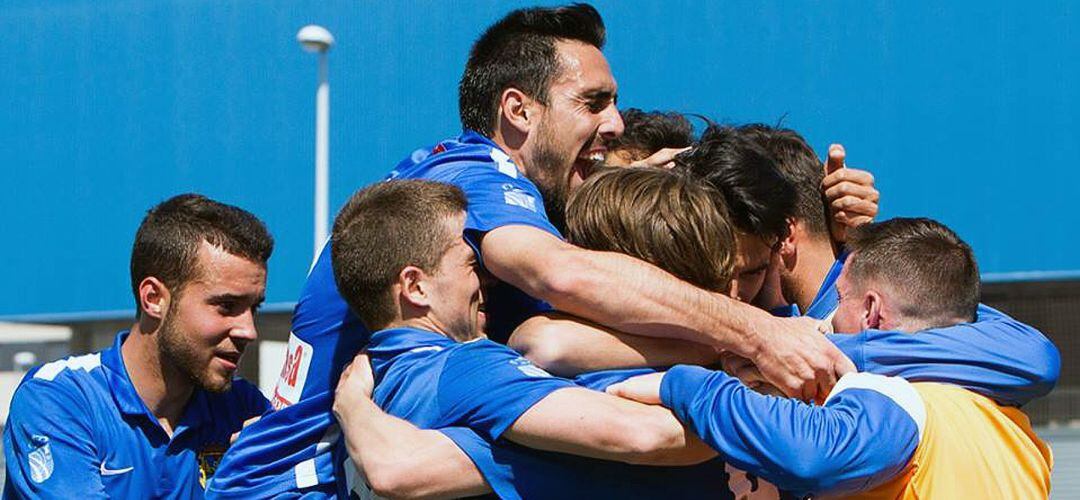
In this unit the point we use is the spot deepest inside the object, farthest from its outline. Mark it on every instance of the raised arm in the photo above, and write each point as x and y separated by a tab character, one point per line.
864	434
397	459
568	346
632	296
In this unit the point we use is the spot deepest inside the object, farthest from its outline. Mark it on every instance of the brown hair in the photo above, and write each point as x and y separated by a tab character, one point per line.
797	162
668	219
167	242
384	228
930	269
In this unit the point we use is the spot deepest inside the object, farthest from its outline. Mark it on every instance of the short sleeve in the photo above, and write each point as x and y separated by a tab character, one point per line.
49	445
497	199
487	386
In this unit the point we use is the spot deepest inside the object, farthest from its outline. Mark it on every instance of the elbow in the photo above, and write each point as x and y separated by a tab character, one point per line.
658	440
394	481
538	340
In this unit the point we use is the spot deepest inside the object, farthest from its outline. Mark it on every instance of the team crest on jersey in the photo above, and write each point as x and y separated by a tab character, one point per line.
41	461
209	458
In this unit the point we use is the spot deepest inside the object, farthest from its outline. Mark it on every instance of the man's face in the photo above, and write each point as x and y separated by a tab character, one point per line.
576	124
751	265
850	311
456	299
211	319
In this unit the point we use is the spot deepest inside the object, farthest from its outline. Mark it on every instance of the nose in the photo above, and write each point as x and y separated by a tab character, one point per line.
612	125
243	331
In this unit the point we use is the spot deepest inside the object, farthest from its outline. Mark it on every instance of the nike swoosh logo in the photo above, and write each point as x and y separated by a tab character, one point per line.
114	472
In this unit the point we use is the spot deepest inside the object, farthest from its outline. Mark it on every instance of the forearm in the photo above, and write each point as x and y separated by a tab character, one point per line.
401	461
569	346
628	295
596	425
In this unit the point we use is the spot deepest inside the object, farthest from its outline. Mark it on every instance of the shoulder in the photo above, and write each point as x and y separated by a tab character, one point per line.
74	377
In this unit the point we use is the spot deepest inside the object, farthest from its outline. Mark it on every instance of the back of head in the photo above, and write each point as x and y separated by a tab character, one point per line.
931	273
759	198
384	228
659	216
168	240
649	132
519	51
798	163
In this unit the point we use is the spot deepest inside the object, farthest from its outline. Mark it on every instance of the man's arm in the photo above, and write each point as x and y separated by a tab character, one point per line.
398	459
49	444
865	433
635	297
596	425
997	356
568	346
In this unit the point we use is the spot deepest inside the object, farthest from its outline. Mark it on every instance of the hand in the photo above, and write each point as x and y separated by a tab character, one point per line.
235	435
747	373
794	356
665	158
355	386
642	388
853	200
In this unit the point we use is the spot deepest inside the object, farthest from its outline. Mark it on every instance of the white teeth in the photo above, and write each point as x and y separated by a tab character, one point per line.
597	156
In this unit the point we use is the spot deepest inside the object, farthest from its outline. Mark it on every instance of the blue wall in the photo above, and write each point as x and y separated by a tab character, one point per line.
966	112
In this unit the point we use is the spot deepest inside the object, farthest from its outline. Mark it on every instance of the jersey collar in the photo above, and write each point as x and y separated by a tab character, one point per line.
127	398
399	340
827	298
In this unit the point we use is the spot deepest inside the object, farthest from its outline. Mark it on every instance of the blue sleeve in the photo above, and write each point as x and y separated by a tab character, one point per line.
49	444
486	387
497	199
864	434
997	356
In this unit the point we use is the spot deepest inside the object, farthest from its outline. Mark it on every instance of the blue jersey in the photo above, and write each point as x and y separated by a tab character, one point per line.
78	428
997	356
863	435
290	450
828	299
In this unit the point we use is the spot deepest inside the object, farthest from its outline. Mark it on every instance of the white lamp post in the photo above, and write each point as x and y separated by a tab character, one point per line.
317	39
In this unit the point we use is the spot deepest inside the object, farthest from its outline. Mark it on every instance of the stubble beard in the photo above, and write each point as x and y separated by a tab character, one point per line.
548	165
176	351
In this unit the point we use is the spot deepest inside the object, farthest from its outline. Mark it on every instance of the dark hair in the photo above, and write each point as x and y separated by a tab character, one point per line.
930	269
758	197
649	132
662	217
798	163
519	51
167	242
384	228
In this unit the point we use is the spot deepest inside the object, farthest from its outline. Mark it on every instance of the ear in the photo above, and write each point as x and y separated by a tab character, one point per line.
154	298
518	110
414	287
787	245
872	310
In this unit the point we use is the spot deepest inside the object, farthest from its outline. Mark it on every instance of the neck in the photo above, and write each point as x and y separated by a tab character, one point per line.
419	323
512	147
161	387
814	260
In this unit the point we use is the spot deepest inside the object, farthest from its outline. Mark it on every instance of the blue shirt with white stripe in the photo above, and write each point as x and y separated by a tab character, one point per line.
289	451
78	428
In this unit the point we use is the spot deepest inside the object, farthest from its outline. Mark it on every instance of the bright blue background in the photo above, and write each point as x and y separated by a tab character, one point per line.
965	111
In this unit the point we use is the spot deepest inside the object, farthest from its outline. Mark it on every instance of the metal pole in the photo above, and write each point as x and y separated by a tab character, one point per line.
322	155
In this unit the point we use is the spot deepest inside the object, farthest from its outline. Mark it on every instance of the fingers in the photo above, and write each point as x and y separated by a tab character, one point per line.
661	159
847	187
853	175
835	162
845	210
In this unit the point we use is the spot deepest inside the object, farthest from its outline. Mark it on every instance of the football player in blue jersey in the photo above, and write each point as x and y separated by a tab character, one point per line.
537	102
403	267
152	415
